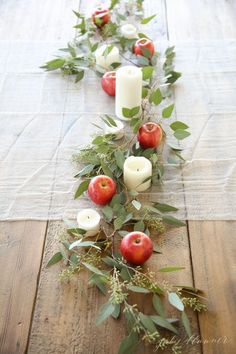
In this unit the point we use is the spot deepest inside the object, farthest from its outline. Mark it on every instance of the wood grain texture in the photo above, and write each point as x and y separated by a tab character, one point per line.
21	247
64	319
213	247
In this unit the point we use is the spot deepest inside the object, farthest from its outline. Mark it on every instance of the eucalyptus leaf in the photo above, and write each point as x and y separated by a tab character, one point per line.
166	113
137	204
162	322
147	72
139	226
170	269
178	125
175	301
85	171
105	311
82	188
99	282
80	243
156	97
108	213
171	220
137	289
147	19
186	323
79	76
120	158
93	269
164	208
147	322
129	344
181	134
158	305
57	257
116	312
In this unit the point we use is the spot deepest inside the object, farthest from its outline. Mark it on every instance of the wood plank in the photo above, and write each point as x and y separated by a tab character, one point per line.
21	247
213	243
213	246
65	313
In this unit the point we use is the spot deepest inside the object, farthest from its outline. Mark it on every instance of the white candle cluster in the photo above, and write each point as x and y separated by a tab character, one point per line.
89	220
105	61
128	89
136	170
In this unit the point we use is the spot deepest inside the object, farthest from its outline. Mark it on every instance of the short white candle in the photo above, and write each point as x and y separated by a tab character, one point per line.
118	131
128	89
128	31
105	61
136	170
89	220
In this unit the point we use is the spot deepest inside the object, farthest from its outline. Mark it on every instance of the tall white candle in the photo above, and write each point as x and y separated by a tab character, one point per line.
129	31
128	89
118	131
136	170
89	220
105	61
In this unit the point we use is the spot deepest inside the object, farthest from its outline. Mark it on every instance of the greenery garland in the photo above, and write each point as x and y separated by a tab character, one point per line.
109	272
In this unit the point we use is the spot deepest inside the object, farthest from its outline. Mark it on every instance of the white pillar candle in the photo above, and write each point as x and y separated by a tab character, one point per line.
136	170
128	31
105	61
128	89
89	220
118	131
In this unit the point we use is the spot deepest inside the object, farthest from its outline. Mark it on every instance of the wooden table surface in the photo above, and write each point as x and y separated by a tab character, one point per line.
40	315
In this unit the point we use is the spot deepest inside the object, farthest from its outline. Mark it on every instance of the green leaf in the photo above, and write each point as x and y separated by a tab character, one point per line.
57	257
113	3
85	171
170	269
139	226
82	188
54	64
98	140
147	72
174	147
80	243
111	262
118	223
128	344
181	134
107	50
147	322
106	169
94	47
147	19
126	112
164	208
175	301
137	204
109	121
156	97
174	76
178	125
144	92
79	76
171	220
98	281
158	306
120	158
123	233
116	312
142	35
186	323
142	60
166	113
105	311
146	52
108	213
134	111
137	289
125	274
93	269
162	322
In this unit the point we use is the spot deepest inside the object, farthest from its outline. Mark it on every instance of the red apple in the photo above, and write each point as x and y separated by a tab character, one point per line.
149	135
136	247
143	43
101	189
109	83
101	16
